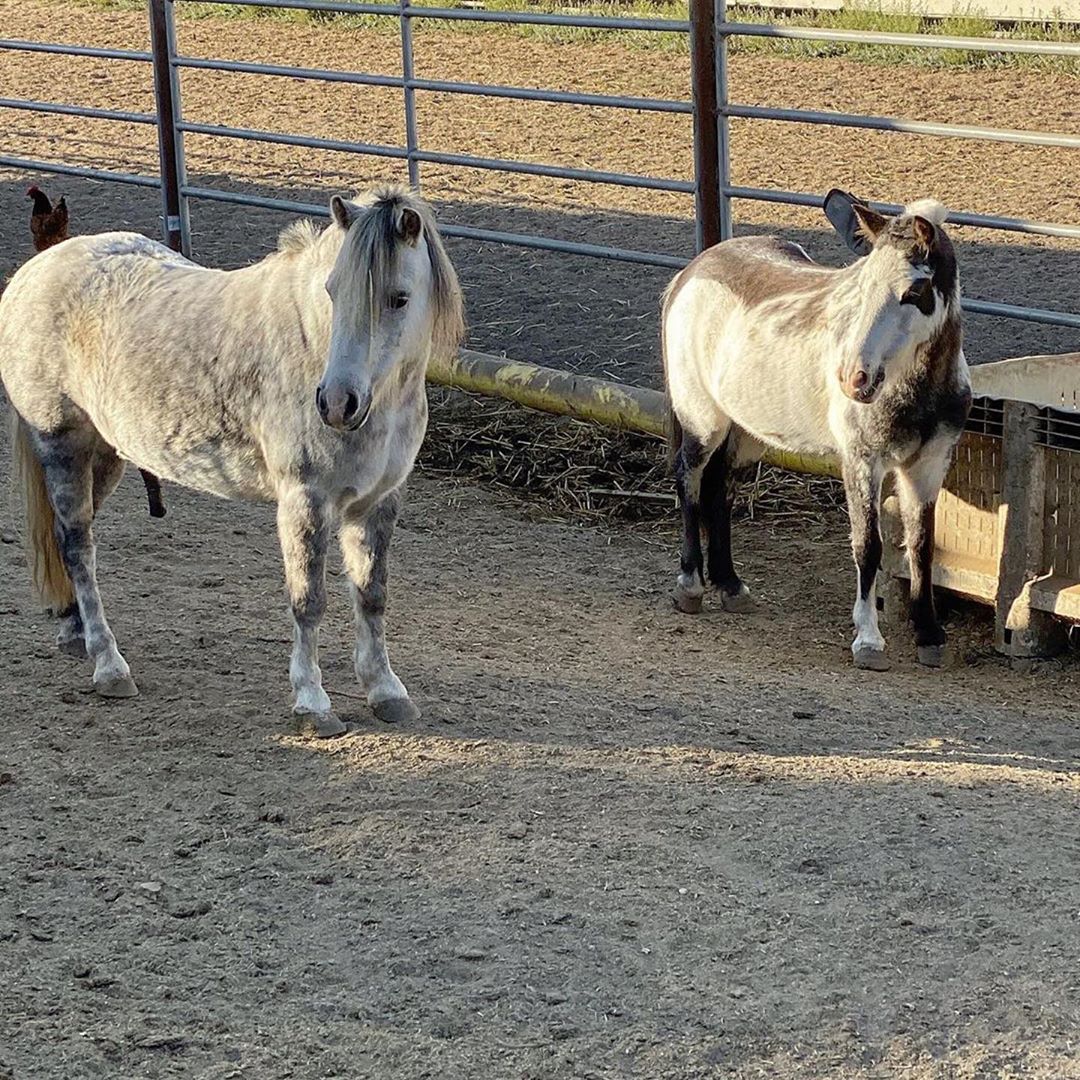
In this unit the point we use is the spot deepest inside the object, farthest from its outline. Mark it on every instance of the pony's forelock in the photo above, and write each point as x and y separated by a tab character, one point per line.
373	242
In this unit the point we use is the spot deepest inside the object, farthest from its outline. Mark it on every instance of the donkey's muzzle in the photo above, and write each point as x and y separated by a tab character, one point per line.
342	408
860	387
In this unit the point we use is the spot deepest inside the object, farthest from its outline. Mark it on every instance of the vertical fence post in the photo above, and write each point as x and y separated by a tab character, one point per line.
174	224
411	141
706	147
723	132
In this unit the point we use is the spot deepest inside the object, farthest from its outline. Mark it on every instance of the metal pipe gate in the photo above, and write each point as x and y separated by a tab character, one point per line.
709	32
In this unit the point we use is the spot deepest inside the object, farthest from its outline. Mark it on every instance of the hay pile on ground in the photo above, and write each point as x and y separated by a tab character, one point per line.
576	470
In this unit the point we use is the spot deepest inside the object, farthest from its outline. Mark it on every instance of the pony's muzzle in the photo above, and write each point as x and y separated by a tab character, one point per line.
342	407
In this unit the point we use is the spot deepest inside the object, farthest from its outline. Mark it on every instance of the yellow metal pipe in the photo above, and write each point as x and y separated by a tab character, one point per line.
612	404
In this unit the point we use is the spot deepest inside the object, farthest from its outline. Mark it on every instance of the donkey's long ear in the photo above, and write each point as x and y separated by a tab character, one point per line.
343	212
855	222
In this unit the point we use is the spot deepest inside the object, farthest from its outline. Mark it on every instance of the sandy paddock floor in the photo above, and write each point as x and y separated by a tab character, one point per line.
619	842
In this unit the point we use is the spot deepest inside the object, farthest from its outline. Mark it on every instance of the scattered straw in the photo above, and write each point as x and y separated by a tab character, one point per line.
580	471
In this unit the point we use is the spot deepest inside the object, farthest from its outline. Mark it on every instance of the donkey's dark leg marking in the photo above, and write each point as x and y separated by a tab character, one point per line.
862	484
153	494
717	497
303	530
920	544
67	459
690	461
365	546
918	485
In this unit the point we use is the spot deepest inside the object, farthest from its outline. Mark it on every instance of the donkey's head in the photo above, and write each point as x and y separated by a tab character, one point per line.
906	285
395	300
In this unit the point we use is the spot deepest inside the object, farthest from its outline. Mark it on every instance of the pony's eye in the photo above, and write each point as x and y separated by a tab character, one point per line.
398	301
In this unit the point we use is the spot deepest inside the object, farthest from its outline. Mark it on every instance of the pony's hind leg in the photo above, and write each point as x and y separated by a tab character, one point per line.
107	469
717	497
68	464
691	458
304	530
917	485
365	542
862	483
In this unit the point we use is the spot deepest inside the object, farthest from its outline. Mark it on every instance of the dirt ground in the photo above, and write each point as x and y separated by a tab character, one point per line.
581	313
620	842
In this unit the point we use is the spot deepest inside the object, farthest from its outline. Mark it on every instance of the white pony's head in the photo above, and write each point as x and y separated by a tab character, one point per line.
395	299
905	287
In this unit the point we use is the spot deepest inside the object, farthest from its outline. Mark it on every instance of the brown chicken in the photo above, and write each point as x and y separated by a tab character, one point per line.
49	226
48	223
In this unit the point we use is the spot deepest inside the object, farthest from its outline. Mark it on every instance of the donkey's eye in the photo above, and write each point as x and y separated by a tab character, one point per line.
921	294
397	300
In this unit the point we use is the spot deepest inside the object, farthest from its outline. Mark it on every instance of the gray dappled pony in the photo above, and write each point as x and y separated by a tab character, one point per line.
297	380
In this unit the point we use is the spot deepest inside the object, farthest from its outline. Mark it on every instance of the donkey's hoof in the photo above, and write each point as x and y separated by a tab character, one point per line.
687	603
326	725
738	603
396	710
75	646
117	686
871	659
932	655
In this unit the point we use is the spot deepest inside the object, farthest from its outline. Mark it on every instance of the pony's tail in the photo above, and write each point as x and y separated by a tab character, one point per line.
50	576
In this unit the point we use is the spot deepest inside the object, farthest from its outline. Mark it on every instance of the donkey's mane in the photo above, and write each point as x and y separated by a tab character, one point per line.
372	245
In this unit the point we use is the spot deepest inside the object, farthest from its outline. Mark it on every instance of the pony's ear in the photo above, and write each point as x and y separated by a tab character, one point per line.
343	211
409	225
855	222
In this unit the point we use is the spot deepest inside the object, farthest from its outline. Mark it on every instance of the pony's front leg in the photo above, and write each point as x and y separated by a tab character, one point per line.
862	483
365	542
304	530
918	485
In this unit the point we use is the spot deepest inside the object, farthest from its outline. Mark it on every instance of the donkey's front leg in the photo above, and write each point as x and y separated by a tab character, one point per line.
691	457
862	483
918	485
365	542
304	530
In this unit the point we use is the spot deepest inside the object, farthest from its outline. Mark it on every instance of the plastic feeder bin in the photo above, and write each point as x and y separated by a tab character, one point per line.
1008	519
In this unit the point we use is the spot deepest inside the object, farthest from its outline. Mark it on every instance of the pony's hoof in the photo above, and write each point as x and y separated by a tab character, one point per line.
871	659
932	655
740	603
75	646
397	710
121	686
327	725
687	603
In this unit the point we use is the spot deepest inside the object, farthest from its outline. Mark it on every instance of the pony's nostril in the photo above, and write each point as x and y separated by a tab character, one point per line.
320	400
860	379
352	404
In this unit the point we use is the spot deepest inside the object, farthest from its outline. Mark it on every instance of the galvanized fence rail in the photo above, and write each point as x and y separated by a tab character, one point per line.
709	32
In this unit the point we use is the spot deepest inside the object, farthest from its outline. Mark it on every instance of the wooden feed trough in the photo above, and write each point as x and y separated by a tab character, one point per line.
1008	519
